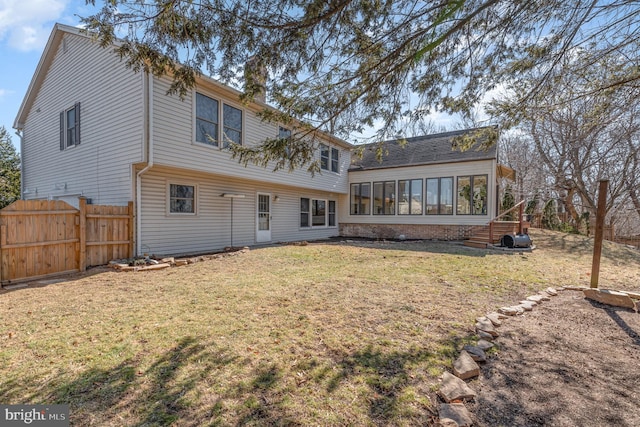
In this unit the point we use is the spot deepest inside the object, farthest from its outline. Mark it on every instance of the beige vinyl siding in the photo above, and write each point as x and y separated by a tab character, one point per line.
483	167
210	228
111	126
174	143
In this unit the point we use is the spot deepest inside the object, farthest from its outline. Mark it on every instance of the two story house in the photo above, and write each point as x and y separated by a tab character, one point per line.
90	127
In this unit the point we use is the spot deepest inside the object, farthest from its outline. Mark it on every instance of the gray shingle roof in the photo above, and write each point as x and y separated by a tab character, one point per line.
421	150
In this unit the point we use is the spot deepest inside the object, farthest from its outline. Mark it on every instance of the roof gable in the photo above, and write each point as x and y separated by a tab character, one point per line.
50	50
422	150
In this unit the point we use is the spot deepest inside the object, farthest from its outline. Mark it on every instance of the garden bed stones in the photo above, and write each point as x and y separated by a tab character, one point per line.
152	263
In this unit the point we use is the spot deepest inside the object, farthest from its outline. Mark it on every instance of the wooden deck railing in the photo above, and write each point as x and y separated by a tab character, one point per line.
520	207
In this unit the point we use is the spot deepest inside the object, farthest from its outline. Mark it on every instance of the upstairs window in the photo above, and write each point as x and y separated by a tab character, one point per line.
335	155
232	121
70	127
206	120
324	157
329	158
284	133
209	115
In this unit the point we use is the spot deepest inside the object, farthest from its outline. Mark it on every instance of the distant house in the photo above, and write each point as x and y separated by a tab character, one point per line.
90	127
422	188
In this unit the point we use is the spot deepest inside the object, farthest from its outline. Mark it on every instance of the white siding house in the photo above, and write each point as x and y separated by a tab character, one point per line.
422	188
90	127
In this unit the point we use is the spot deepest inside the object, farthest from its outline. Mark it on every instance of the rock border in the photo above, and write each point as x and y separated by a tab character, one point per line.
454	389
151	263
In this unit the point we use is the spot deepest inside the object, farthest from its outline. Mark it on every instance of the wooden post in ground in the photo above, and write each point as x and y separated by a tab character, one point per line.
131	229
82	234
597	244
520	215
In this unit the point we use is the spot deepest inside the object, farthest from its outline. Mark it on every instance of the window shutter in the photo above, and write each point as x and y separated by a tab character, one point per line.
77	128
62	131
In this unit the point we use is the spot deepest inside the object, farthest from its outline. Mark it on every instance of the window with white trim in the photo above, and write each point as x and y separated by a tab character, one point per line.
70	127
324	157
182	199
317	212
332	213
209	115
305	208
232	125
335	156
206	120
329	158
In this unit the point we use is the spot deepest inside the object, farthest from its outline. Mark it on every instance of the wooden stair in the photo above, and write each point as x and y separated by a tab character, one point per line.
491	234
482	236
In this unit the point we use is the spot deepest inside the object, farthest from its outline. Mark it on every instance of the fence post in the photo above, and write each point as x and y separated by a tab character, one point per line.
597	243
82	234
131	229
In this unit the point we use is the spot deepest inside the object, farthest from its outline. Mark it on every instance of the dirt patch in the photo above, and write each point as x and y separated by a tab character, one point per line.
569	362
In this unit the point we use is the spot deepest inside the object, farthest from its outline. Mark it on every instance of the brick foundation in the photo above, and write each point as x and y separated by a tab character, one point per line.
412	231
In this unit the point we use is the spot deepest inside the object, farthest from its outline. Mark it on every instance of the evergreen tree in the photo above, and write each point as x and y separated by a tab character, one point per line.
550	218
508	201
343	66
9	170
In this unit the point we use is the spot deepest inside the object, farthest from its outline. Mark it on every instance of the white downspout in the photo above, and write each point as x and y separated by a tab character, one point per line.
18	132
149	128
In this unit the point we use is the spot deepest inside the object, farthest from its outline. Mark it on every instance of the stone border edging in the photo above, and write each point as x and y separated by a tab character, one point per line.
453	389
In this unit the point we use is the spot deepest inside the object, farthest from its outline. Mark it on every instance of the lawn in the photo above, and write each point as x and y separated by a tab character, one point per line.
331	333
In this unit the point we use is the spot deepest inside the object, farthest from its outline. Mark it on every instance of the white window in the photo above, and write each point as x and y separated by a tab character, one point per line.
70	127
284	133
206	120
182	199
232	125
335	155
329	158
317	213
208	117
324	157
332	213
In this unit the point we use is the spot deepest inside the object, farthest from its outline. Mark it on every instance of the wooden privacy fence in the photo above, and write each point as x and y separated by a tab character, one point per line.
40	238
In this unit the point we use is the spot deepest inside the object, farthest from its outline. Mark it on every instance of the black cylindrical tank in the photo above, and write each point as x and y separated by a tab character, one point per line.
516	240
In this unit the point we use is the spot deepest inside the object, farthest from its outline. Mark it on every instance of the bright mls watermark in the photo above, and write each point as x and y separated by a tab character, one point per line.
34	415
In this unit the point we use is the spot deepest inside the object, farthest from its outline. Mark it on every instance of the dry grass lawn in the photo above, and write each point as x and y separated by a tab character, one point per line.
325	334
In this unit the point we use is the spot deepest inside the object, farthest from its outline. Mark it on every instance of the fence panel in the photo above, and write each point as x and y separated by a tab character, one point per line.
39	238
108	233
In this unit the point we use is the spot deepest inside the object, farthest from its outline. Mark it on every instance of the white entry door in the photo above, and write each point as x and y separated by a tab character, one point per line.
263	231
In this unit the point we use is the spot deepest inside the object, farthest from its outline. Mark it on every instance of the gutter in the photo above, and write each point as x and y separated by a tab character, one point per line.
149	146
